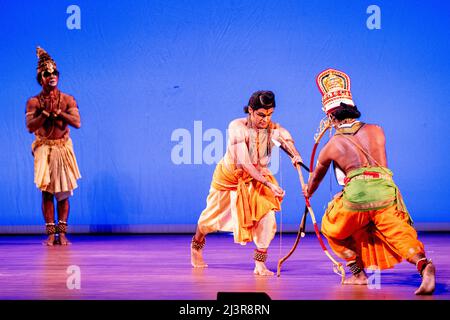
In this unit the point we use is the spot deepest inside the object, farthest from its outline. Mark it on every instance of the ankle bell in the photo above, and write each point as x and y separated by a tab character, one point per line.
197	245
421	264
50	228
61	227
354	268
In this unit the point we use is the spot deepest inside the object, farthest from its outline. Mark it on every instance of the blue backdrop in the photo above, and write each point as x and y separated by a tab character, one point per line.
142	71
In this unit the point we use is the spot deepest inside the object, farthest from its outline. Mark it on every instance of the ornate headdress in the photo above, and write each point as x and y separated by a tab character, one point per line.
45	62
334	85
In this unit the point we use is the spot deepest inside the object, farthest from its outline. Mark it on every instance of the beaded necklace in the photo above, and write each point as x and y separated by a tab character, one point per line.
268	150
42	105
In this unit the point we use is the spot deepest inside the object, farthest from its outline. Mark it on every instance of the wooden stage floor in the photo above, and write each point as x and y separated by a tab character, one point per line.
157	267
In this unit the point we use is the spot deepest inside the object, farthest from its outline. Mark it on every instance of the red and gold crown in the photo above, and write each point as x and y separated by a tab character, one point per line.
334	85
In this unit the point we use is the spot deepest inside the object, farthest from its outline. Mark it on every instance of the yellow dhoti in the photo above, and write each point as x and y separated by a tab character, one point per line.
241	205
55	166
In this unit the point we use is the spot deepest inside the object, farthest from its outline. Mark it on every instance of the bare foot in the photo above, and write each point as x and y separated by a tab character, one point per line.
428	281
358	279
197	259
261	269
50	240
63	240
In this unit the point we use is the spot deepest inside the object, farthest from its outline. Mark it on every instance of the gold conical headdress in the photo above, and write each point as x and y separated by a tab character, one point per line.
45	62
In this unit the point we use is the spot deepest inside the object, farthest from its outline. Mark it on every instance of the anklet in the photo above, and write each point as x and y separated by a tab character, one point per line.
50	228
260	256
354	268
196	245
421	264
62	226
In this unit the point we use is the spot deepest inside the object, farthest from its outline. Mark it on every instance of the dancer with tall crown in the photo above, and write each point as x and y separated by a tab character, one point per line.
48	116
367	223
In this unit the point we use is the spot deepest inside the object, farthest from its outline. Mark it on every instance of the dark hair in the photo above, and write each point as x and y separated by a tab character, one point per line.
346	111
39	78
261	99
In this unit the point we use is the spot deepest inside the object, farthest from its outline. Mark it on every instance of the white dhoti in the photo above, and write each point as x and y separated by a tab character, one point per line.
55	166
220	214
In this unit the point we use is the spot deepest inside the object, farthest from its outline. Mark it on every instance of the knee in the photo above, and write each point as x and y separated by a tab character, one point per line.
63	201
47	196
332	232
324	230
270	223
202	230
265	231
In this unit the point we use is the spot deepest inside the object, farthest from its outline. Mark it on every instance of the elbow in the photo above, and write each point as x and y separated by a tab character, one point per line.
77	125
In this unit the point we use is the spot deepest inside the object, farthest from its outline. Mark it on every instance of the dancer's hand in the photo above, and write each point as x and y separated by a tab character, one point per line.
305	191
56	113
277	191
296	159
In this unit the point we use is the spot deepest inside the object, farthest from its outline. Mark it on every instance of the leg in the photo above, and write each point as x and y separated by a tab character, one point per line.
63	214
403	237
260	257
427	272
48	210
340	227
216	216
359	276
345	249
197	245
263	234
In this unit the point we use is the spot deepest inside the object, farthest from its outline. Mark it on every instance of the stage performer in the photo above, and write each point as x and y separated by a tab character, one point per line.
48	116
367	223
244	194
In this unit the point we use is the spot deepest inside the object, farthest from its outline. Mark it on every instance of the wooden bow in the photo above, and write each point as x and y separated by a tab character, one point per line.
324	126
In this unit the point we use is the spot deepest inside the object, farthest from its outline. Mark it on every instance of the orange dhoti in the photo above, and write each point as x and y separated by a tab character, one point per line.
239	204
378	238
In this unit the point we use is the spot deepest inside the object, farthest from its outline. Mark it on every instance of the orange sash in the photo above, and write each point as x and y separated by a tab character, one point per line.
253	199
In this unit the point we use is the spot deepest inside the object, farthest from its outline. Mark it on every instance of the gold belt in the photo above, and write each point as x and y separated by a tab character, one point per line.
51	142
